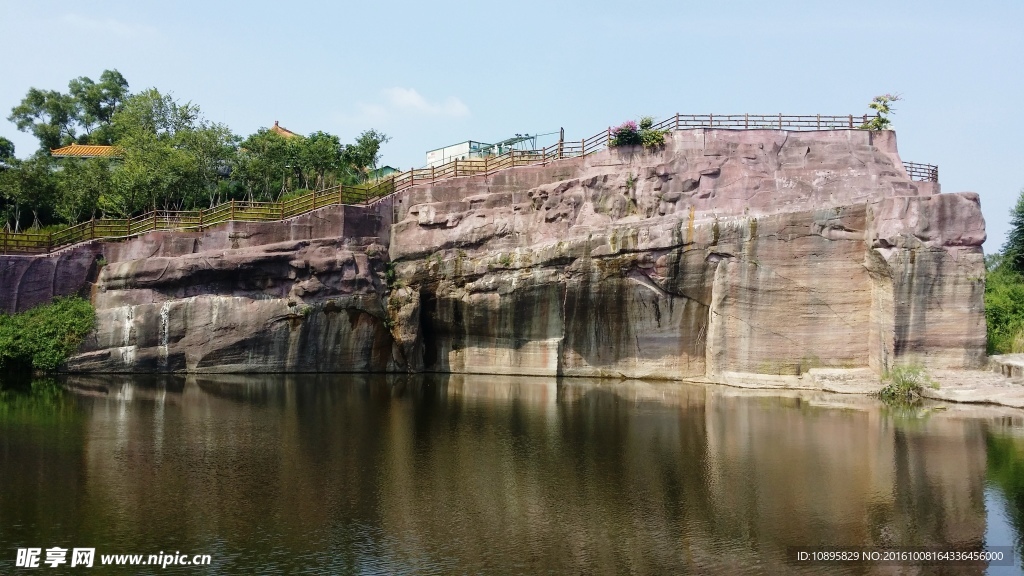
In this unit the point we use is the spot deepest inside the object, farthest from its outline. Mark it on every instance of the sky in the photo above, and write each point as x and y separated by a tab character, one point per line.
430	74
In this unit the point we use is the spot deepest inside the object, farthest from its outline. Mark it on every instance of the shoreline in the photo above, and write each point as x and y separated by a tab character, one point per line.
973	387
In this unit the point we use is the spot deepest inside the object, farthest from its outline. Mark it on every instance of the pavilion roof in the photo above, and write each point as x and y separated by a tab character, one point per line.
86	151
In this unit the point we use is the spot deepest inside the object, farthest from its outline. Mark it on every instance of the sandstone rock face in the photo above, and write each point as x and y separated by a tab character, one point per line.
726	255
308	305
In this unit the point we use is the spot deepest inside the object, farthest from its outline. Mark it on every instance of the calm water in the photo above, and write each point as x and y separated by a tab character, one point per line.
347	474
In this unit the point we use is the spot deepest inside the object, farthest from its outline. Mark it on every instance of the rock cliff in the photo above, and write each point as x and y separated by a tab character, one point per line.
727	255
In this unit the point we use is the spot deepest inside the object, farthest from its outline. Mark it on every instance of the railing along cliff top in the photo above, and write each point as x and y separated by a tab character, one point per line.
238	211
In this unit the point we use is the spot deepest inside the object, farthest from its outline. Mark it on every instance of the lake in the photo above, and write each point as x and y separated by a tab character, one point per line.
438	474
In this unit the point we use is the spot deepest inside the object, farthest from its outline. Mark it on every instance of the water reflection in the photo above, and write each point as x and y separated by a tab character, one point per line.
439	474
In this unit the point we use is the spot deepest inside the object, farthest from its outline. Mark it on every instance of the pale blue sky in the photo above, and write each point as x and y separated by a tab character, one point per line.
435	73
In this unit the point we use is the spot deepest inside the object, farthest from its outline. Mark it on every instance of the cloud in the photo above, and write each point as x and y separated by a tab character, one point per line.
403	103
109	26
409	100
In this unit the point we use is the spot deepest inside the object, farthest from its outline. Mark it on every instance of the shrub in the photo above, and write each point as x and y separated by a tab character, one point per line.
626	134
42	338
905	384
630	134
1004	308
882	105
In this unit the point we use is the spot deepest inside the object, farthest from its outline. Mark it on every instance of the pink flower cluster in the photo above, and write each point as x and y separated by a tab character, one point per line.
629	126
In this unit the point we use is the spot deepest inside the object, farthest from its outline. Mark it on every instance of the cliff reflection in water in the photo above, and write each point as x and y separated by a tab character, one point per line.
436	474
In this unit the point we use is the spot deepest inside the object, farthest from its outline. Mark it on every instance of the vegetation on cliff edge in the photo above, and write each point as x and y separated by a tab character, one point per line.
41	339
168	157
1004	289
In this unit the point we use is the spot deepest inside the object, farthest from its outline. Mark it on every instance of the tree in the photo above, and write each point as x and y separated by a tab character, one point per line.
56	118
363	156
1013	250
263	164
319	157
48	115
882	105
173	159
98	102
28	185
79	186
6	149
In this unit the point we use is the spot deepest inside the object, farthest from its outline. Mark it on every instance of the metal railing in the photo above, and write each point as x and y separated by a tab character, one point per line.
240	211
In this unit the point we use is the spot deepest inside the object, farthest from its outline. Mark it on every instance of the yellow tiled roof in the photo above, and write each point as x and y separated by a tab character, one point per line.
281	130
86	151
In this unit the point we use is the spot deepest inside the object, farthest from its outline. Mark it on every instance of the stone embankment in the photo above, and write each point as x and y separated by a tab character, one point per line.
758	257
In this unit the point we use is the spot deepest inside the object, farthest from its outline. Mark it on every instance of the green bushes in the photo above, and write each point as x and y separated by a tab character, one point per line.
1004	289
631	134
1004	308
905	384
42	338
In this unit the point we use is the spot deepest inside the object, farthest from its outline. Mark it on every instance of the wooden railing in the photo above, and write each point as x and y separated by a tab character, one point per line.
922	172
239	211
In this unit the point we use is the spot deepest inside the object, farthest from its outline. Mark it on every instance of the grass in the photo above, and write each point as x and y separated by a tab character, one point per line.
904	385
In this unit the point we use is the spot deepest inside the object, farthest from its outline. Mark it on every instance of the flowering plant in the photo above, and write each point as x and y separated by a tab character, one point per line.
625	134
629	134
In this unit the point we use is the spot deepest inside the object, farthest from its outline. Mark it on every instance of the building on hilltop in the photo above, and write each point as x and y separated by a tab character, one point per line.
471	149
282	131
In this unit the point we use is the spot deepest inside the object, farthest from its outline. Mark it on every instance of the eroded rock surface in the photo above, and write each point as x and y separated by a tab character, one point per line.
307	305
727	255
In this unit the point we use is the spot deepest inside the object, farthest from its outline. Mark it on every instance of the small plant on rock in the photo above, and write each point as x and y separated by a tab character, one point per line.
882	105
905	384
650	137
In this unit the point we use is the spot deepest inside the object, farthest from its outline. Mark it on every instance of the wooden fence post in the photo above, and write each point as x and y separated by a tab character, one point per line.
711	120
780	120
561	141
49	242
608	142
746	121
314	198
851	120
431	174
6	234
129	225
819	121
456	171
92	232
232	218
154	219
677	121
200	219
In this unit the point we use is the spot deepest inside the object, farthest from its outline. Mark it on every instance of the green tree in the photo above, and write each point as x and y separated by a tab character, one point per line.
48	115
319	158
882	105
97	103
264	164
213	148
1013	250
6	149
29	185
173	159
362	157
82	115
79	186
